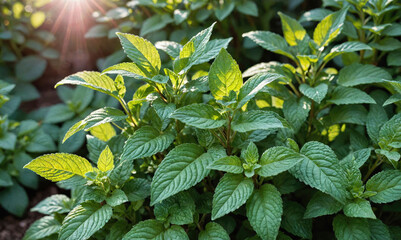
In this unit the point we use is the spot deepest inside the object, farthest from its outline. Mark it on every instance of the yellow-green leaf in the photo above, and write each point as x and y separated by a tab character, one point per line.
141	52
293	31
59	166
329	28
224	76
106	160
103	131
120	85
128	70
92	80
37	19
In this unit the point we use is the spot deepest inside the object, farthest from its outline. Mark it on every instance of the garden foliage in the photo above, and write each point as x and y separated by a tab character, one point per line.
24	55
306	148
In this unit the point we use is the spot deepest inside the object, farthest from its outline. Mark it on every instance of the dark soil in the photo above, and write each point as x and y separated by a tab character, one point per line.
12	227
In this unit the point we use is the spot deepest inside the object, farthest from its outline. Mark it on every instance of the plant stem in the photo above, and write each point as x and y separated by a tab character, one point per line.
294	89
372	169
117	126
127	111
229	135
218	137
311	116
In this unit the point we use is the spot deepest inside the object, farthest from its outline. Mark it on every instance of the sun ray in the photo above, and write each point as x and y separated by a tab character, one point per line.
72	22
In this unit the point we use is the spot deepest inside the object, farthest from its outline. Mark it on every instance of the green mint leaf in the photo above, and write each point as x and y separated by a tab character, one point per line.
5	179
137	189
178	209
155	23
8	141
57	203
346	48
354	114
180	16
146	142
182	168
379	230
390	133
199	115
84	220
171	48
271	42
211	50
347	95
387	185
317	14
231	164
253	85
223	10
30	68
294	222
296	111
276	160
351	228
264	210
321	169
251	153
118	197
395	98
164	112
121	173
357	158
317	93
41	142
213	231
375	119
175	232
248	8
118	230
231	193
224	75
322	204
14	199
357	74
192	52
154	229
258	120
359	208
42	228
148	229
59	113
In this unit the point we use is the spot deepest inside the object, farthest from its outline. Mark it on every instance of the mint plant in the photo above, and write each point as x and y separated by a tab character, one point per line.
20	142
373	23
25	50
194	153
177	21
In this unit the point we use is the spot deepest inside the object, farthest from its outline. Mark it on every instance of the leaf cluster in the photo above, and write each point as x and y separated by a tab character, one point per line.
304	149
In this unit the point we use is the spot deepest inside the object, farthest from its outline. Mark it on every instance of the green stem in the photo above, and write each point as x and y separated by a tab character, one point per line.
127	111
218	138
229	135
294	89
373	167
